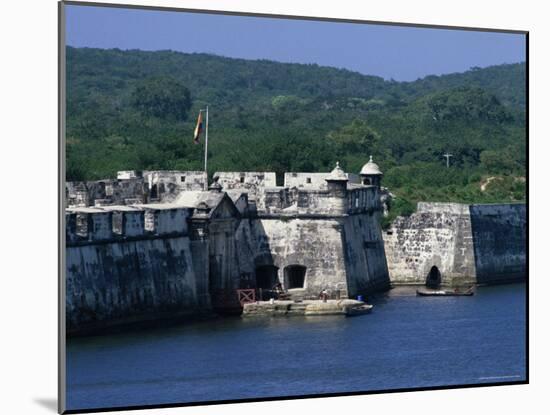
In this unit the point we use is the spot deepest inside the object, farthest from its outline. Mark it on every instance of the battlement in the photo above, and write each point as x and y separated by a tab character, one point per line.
105	192
364	199
132	187
166	185
334	193
91	224
301	201
252	182
314	180
444	208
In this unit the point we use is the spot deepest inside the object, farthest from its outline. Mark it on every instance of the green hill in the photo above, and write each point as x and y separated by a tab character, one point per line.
136	110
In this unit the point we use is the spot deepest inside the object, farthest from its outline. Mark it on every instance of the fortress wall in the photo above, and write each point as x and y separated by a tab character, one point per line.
223	264
313	180
251	182
101	226
500	242
282	200
165	186
316	244
132	187
364	198
200	253
165	221
122	282
364	255
120	272
111	222
133	223
438	234
105	192
468	243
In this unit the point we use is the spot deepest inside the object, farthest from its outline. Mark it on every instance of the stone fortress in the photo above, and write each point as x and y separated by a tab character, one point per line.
457	244
155	244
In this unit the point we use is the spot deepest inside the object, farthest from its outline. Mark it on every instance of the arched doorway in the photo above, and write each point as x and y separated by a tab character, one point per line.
295	276
154	192
266	276
433	280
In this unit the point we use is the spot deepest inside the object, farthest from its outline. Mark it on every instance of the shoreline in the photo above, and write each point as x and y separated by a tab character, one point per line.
166	320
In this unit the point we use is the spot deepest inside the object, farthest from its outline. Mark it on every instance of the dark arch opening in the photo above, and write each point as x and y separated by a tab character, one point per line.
433	279
295	276
154	192
366	181
266	276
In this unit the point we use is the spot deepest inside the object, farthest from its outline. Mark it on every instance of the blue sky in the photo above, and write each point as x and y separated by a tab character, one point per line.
401	53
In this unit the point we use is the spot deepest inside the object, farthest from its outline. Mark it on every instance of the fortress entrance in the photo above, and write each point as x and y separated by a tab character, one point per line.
433	279
266	276
295	276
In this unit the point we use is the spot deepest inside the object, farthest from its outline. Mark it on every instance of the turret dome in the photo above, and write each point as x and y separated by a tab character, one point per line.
371	169
337	174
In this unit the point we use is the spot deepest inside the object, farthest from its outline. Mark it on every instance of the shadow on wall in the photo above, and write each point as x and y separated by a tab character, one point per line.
499	235
257	264
261	268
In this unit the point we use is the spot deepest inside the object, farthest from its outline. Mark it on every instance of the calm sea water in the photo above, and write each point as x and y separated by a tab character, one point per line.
407	341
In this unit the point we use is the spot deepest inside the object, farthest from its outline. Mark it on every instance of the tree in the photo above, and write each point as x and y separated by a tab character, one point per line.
500	161
162	97
356	137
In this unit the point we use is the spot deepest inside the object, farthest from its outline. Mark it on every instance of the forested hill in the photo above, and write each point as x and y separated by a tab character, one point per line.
136	110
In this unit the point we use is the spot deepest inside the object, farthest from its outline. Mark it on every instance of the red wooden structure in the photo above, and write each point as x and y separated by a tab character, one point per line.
246	296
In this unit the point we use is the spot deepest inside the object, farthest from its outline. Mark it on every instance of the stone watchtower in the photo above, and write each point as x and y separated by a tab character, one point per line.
371	174
337	182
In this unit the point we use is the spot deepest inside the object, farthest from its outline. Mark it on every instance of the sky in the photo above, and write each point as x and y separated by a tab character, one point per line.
392	52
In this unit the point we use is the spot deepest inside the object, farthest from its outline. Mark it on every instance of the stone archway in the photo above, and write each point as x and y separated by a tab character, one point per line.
433	279
295	276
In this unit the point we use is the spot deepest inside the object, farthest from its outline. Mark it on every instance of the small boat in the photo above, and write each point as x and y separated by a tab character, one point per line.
359	310
444	293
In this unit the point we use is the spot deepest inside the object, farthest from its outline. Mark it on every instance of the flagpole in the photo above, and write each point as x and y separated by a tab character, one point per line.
206	150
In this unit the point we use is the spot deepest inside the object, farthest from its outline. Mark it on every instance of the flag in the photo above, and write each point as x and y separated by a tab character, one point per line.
198	129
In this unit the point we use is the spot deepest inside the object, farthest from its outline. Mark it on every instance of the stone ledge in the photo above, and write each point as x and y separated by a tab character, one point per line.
304	308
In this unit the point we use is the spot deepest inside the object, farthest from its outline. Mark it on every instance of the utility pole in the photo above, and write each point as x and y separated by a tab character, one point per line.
447	156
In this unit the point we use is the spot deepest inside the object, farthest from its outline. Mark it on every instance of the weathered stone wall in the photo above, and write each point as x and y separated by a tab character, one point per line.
500	242
135	274
316	244
224	272
200	253
344	254
251	182
364	254
313	180
477	243
194	249
364	199
165	186
283	200
105	192
133	187
122	282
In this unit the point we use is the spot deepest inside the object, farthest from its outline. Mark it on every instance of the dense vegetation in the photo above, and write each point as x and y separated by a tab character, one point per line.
136	110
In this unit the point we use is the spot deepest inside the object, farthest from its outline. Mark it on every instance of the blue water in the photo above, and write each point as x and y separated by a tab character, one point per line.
406	342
